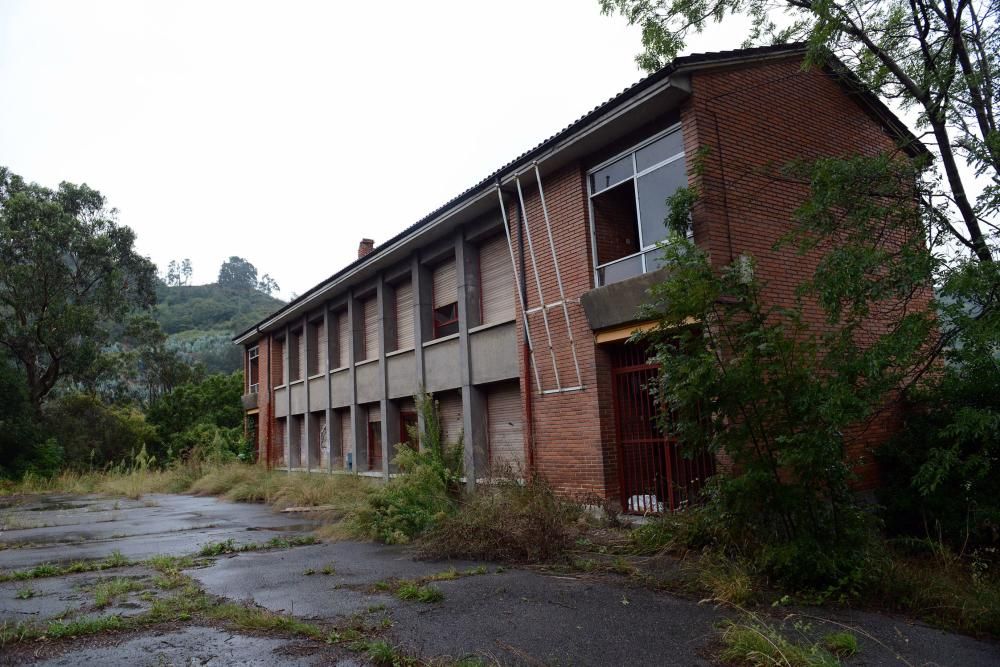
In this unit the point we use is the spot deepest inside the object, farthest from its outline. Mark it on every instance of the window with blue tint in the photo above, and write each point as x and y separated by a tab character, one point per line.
659	151
613	174
655	188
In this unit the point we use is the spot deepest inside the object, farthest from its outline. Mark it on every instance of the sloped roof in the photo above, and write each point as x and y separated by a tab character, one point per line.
684	63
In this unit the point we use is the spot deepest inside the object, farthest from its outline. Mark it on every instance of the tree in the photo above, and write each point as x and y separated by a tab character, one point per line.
267	285
68	271
178	274
938	58
238	273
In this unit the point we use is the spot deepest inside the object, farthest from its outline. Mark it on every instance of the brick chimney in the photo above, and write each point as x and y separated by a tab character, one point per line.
365	247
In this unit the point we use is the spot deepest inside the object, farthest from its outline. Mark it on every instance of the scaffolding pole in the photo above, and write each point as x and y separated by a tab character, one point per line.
520	292
555	263
538	284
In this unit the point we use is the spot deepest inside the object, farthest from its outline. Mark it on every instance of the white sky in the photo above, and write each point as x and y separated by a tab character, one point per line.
284	132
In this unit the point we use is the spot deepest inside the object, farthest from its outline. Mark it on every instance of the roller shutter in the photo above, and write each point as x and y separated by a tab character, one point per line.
343	339
371	328
374	437
303	443
497	275
445	284
505	428
321	347
278	447
450	416
404	316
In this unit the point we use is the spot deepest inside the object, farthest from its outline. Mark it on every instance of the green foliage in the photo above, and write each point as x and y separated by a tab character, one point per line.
68	271
19	432
755	642
92	434
424	493
414	592
775	390
941	473
206	415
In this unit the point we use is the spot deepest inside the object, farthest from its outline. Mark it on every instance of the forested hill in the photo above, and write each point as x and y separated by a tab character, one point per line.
202	319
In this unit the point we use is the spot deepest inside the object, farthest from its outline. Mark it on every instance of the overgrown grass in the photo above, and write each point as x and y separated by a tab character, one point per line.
510	522
107	592
754	642
48	570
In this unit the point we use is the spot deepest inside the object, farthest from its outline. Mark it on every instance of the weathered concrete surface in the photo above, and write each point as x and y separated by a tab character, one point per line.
70	596
204	647
89	527
511	616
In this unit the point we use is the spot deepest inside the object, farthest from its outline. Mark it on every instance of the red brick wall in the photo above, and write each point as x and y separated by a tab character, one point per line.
752	120
567	434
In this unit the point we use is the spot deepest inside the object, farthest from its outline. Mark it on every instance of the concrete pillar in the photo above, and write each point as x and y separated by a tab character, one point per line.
473	398
357	416
423	304
328	408
385	305
287	361
307	417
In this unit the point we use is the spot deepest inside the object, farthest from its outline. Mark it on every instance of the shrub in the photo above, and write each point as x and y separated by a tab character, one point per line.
426	490
91	433
525	523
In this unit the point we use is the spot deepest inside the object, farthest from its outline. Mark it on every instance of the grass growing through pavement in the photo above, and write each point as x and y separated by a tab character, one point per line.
108	591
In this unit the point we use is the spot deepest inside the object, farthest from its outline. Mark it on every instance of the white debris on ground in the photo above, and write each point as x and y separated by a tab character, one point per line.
646	503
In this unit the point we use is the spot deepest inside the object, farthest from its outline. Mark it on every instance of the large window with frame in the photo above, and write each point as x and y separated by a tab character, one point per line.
628	205
253	369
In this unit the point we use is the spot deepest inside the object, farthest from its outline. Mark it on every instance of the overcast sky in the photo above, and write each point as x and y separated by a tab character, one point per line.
283	132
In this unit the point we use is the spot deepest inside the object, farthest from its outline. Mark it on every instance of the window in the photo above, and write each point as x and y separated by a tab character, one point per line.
316	336
374	446
445	300
497	288
628	206
278	362
369	312
446	320
404	316
408	433
295	355
253	369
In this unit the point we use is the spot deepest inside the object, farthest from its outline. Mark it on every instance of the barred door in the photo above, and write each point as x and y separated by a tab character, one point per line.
653	475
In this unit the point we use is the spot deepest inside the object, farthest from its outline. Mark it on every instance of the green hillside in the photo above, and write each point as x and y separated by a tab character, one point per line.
202	319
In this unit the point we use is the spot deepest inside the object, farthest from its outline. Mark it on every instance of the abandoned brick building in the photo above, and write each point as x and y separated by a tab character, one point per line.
512	303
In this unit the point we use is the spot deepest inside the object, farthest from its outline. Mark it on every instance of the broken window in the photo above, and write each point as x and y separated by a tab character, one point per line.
445	300
628	200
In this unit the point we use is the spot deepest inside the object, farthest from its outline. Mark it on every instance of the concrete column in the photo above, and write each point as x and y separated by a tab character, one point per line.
473	398
287	361
357	417
421	280
307	417
385	305
328	409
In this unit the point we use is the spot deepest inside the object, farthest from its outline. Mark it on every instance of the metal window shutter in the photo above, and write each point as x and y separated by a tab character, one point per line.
450	416
371	328
497	275
445	284
374	413
404	316
343	339
321	348
303	443
505	427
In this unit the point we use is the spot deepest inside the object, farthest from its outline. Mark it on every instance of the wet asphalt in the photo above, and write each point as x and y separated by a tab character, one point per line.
499	615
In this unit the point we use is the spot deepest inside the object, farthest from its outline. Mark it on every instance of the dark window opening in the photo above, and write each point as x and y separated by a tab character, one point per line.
294	362
408	434
375	446
446	320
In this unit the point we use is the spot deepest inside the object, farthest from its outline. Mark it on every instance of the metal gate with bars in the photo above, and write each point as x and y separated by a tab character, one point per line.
653	475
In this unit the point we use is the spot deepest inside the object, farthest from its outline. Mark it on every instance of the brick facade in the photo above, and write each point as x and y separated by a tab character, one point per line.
750	117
